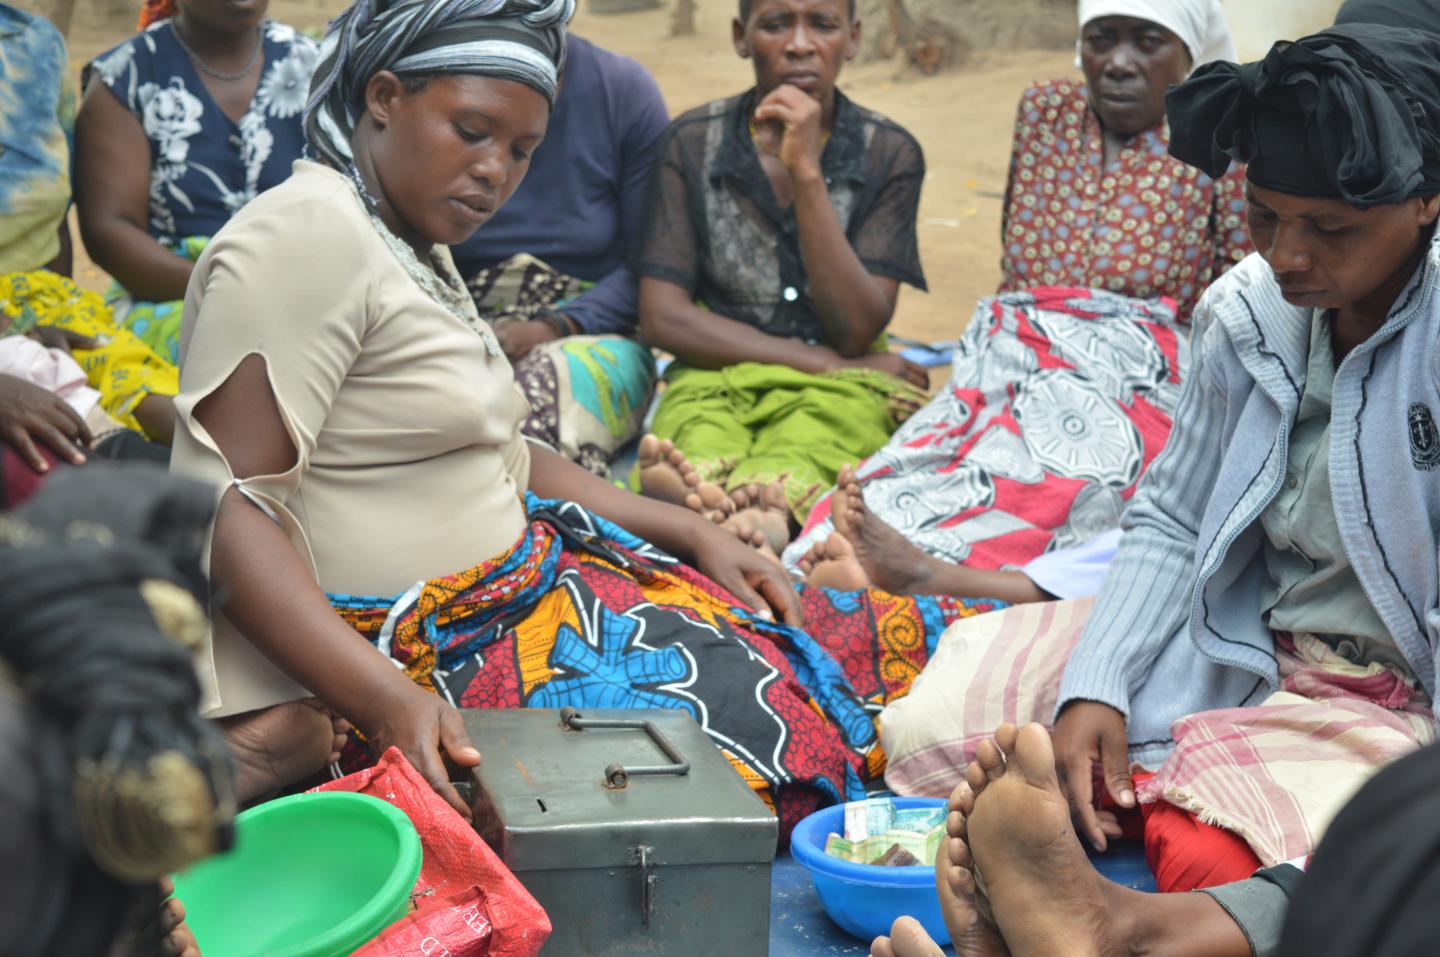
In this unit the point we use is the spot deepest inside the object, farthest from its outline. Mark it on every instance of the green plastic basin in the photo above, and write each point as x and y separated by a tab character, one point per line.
311	875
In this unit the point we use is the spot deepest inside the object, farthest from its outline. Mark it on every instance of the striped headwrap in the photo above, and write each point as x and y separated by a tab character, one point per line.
520	40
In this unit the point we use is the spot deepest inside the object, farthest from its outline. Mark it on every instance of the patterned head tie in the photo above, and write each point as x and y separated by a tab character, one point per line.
1352	113
520	40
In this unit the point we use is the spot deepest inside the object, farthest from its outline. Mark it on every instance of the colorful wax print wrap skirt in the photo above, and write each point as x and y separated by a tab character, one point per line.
157	324
588	395
581	613
1058	401
757	423
122	369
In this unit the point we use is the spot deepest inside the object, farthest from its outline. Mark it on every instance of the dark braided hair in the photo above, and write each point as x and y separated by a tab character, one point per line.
100	591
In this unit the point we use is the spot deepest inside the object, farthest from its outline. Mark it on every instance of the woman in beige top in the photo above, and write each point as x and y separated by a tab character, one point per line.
364	427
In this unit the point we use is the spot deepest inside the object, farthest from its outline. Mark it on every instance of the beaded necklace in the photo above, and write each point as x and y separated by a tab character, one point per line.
438	280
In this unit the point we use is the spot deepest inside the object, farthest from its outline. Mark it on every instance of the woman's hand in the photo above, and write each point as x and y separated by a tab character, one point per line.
1087	732
797	115
892	363
66	341
29	413
428	731
518	338
759	582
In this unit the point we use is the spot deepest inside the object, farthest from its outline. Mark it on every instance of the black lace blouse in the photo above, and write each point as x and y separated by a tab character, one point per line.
712	224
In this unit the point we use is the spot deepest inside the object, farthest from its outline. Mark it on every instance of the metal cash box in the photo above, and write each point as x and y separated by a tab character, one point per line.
631	829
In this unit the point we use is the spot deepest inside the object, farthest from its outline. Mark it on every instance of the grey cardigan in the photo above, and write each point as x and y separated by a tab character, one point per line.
1177	628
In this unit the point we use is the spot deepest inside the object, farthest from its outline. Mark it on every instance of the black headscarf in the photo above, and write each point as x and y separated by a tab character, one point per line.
1352	113
1407	14
100	594
1373	884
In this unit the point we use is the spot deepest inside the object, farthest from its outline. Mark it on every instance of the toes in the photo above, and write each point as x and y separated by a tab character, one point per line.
773	496
990	759
976	777
172	915
965	800
961	880
1005	736
881	947
649	452
958	853
957	825
1035	755
909	939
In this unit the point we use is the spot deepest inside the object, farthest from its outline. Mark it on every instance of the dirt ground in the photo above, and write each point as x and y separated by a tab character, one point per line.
963	118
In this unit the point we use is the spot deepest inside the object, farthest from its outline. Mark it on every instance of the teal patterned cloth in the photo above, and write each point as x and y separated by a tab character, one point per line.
37	123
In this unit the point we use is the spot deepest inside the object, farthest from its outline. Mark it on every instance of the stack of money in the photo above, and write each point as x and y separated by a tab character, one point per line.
877	832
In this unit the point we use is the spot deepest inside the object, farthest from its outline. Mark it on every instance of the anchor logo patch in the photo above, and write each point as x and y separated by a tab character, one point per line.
1424	438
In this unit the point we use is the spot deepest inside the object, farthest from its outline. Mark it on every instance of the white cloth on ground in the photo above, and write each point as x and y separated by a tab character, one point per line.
1078	572
51	369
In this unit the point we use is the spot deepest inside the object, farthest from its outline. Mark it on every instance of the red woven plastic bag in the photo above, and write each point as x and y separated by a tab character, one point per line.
468	904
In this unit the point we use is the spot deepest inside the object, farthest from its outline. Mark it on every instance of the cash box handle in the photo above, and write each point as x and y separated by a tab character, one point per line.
616	775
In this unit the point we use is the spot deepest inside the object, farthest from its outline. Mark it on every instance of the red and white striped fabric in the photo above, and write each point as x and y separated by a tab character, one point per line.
1278	773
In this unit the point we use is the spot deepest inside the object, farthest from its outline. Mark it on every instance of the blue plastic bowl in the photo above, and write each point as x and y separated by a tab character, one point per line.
862	898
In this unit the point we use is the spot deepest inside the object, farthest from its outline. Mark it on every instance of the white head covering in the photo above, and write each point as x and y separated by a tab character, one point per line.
1200	24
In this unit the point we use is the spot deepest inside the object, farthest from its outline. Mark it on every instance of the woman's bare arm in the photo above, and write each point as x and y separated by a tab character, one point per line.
271	597
112	192
758	582
670	320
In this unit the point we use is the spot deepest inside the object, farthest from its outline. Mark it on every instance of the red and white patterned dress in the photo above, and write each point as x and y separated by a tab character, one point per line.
1063	386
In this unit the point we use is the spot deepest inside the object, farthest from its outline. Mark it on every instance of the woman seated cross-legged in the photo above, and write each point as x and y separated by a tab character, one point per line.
780	226
1064	386
1266	638
378	504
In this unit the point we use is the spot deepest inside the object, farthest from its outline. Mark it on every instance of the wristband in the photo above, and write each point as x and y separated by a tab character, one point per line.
556	321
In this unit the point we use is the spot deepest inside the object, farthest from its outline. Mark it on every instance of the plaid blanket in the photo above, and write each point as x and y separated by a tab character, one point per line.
1275	774
1278	773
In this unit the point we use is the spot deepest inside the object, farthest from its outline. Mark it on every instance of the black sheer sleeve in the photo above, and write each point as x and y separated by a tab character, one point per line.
885	240
670	234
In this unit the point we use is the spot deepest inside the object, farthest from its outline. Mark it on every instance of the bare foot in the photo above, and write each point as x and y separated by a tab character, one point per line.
1047	898
665	473
710	500
763	509
176	938
278	746
907	939
156	931
833	564
891	562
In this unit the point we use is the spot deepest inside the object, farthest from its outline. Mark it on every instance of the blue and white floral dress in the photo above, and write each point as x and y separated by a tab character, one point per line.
204	166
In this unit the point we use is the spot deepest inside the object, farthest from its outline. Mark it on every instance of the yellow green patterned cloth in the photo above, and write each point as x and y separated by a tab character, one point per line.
588	395
123	370
754	422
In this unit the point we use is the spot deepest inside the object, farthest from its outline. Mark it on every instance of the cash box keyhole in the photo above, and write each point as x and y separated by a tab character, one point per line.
543	808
